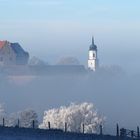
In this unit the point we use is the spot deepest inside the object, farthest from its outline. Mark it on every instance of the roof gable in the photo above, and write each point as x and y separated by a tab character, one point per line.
17	49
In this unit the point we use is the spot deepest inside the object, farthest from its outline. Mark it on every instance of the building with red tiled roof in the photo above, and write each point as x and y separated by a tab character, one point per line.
2	44
12	54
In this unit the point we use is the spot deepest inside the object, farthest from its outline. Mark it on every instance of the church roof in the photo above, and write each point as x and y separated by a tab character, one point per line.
93	46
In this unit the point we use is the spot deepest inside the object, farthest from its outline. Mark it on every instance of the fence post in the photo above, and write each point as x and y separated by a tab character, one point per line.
49	125
65	127
138	132
18	123
33	124
101	130
123	132
3	122
83	128
132	134
117	130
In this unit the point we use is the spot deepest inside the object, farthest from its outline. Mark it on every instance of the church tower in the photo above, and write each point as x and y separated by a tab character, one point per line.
92	59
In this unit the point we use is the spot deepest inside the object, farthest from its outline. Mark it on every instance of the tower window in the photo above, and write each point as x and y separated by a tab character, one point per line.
93	54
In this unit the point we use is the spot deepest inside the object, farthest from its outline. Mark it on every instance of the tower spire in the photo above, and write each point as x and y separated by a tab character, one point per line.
93	40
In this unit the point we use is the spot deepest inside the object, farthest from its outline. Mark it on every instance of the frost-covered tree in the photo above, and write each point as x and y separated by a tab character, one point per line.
12	120
23	119
75	116
27	117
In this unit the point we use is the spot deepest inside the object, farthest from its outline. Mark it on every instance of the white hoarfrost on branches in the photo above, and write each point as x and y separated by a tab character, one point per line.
27	117
24	118
12	120
75	116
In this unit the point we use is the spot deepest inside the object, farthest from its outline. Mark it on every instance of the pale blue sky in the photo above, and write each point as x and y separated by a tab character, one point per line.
101	10
51	29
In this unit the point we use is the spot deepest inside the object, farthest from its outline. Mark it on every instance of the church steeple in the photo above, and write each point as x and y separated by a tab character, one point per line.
93	59
93	40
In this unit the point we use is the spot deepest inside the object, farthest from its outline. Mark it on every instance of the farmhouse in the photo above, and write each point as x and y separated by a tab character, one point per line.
12	54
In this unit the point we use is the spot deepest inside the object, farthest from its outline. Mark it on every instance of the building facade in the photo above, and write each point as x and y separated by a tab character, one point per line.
12	54
92	58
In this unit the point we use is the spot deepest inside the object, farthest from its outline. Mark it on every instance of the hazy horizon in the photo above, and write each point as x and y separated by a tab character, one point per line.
51	29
